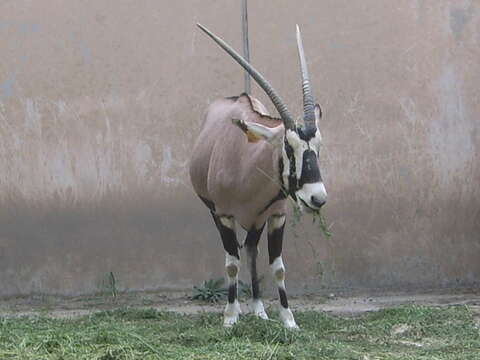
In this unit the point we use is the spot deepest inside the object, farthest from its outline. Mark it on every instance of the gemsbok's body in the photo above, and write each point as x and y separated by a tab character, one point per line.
245	164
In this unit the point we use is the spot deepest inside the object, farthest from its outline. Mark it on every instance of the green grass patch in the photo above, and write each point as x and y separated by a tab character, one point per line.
410	332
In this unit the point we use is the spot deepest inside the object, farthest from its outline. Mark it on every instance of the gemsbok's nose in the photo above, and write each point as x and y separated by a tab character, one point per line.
318	202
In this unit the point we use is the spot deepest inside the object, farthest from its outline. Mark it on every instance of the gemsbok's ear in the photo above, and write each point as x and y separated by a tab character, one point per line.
256	132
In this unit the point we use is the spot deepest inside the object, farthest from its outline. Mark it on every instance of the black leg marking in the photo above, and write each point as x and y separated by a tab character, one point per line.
275	240
283	298
211	206
229	240
208	203
215	218
275	243
226	228
232	293
251	243
228	235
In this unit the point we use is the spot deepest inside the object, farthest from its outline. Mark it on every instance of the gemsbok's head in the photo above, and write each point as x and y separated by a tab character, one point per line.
299	143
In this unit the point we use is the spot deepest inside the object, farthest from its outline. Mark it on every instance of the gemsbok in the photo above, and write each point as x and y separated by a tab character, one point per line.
245	164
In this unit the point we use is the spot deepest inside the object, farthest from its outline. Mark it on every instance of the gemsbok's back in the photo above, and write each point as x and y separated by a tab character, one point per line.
245	164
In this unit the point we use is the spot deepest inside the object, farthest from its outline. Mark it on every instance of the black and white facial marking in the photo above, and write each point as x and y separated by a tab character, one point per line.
299	165
301	172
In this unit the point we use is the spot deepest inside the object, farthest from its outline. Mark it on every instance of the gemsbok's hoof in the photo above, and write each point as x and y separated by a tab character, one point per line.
262	315
291	326
229	321
288	319
259	310
231	314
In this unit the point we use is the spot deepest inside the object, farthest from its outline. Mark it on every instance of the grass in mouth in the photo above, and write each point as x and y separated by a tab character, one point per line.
409	332
317	217
297	213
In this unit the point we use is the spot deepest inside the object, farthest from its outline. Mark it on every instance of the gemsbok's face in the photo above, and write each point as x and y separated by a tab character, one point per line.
301	166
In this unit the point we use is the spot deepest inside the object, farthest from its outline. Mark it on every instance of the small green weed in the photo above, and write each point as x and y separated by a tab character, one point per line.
108	285
244	289
212	290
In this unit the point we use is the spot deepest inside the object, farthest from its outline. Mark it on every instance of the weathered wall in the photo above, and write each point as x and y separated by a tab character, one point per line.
100	102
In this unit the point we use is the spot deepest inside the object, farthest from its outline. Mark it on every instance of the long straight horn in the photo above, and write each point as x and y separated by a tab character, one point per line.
264	84
246	50
308	102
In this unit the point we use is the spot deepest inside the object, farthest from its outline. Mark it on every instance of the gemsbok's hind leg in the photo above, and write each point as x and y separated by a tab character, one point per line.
226	227
251	244
276	224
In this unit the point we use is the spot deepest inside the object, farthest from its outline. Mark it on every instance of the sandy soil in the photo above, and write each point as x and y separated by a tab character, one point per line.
65	307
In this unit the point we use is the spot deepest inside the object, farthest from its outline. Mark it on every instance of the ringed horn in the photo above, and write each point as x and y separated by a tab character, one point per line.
308	101
264	84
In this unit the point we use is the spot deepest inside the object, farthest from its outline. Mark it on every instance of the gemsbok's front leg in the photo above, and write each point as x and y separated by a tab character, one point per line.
251	244
276	224
226	227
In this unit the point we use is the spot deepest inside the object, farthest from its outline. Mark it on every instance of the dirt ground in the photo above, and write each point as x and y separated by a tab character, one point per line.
67	307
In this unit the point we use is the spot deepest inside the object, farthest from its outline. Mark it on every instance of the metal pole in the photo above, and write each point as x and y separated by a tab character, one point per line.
246	51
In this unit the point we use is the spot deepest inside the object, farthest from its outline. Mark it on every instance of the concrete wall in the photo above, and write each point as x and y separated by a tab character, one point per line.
101	100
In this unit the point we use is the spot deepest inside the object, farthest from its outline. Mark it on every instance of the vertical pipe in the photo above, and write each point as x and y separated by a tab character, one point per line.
246	51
